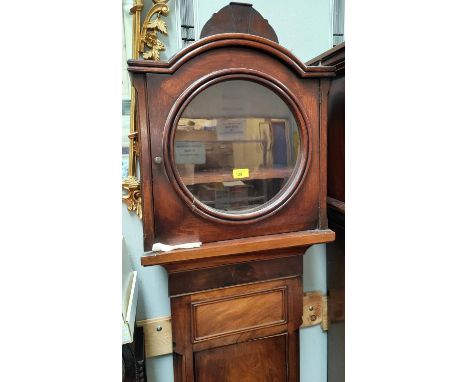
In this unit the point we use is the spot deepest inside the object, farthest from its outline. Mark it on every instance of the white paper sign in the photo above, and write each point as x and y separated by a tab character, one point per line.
231	129
187	152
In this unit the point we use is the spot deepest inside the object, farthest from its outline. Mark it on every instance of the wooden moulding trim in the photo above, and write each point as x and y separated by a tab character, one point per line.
239	246
226	40
332	57
337	205
323	115
145	165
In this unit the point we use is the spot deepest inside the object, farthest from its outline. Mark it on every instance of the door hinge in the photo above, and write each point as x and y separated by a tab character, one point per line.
315	310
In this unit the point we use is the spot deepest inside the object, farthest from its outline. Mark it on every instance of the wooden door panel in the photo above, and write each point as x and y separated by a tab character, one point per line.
248	311
239	333
253	361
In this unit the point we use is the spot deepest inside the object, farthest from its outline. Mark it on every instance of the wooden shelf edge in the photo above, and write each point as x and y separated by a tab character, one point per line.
240	246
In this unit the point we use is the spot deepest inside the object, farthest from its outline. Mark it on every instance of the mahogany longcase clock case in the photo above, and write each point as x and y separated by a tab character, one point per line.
232	135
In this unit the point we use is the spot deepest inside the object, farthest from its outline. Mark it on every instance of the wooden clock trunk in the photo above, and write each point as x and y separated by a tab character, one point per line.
238	321
232	134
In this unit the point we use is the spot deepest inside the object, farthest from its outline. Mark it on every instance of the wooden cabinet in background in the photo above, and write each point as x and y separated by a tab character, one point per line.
336	126
336	212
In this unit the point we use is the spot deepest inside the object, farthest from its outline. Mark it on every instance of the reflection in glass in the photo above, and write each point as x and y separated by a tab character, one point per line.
125	139
236	145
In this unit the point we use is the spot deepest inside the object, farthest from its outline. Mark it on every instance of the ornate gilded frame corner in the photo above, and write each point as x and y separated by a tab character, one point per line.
133	197
142	40
149	44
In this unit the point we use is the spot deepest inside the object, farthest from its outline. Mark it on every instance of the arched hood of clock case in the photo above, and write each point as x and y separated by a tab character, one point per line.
224	40
167	221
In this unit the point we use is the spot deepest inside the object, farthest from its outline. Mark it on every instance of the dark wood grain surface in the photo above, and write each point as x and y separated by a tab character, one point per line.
227	318
260	360
336	124
252	269
236	302
238	18
238	246
230	315
336	140
230	40
162	90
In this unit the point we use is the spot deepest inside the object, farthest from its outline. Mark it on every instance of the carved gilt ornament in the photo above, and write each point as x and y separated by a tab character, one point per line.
147	44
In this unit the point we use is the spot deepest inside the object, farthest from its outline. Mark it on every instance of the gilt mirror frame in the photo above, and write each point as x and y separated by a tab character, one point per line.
147	45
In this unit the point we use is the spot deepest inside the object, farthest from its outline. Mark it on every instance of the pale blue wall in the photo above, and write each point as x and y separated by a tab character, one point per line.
304	28
153	300
313	341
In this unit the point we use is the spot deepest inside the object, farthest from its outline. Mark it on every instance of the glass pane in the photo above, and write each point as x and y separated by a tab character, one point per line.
236	145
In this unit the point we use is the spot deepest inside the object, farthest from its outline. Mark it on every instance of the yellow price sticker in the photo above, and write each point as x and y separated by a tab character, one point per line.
239	173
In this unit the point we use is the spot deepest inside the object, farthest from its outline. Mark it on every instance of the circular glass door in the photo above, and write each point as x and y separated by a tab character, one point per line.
236	147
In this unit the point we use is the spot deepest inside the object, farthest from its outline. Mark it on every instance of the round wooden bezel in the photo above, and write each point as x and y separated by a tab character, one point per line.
295	180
